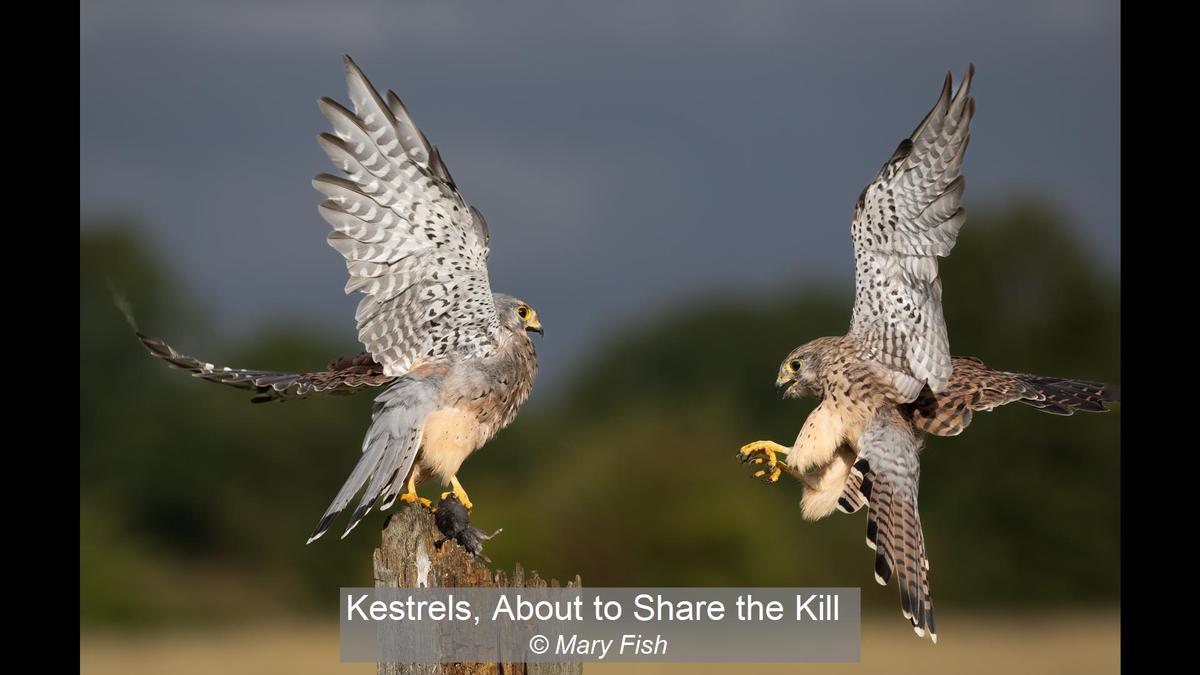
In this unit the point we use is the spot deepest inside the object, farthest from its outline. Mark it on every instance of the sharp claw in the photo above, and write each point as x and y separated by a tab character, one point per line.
414	499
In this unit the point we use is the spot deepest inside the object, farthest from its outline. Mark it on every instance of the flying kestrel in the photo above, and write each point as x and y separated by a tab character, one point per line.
890	380
455	359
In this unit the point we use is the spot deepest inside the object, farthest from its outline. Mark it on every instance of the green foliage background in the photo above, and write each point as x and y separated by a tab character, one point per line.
195	504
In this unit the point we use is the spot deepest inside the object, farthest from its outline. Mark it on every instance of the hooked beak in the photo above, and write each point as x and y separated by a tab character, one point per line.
782	385
535	326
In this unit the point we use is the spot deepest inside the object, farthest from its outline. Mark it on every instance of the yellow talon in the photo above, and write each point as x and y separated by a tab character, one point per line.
458	490
769	451
769	448
410	495
413	498
468	505
771	477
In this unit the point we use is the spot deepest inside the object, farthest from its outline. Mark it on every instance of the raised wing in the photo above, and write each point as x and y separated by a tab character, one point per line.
885	479
412	245
904	219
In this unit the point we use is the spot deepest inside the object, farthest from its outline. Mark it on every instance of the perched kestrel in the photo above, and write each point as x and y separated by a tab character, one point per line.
456	359
890	380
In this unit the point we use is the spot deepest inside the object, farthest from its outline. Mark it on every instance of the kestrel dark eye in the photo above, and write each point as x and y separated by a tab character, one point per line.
794	366
522	312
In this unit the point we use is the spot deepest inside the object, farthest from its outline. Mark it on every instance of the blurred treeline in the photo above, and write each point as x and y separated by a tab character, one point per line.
195	504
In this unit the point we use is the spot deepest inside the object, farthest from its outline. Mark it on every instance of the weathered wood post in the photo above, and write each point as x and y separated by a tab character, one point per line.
408	553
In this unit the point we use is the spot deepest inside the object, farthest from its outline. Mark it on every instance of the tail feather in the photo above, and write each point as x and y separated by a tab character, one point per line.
389	450
886	476
855	493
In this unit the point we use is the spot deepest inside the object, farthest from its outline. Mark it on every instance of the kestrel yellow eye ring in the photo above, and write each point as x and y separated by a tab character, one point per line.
793	366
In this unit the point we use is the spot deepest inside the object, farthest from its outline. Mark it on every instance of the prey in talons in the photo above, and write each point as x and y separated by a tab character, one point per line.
460	492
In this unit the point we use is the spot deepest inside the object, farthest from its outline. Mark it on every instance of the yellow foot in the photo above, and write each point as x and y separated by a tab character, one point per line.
413	498
457	488
461	498
764	453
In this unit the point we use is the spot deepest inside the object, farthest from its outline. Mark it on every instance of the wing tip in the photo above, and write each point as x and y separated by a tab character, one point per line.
359	513
969	75
327	105
321	528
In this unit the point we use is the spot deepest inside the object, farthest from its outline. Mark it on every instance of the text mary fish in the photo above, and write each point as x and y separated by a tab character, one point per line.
646	607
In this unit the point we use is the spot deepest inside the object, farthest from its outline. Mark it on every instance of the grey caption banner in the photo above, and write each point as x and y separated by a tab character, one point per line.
666	625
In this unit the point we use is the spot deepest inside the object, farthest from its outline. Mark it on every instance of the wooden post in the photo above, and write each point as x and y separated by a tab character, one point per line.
408	554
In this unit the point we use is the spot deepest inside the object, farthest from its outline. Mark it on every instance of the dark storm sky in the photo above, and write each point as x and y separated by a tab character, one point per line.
627	155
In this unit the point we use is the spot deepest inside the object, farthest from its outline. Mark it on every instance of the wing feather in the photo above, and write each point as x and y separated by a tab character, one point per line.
340	378
974	387
412	246
907	217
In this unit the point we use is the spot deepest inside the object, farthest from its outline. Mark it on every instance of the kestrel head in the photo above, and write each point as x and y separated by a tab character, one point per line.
517	315
798	373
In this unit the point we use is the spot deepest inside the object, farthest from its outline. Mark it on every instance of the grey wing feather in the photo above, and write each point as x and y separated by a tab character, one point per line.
886	477
907	217
388	450
266	385
412	245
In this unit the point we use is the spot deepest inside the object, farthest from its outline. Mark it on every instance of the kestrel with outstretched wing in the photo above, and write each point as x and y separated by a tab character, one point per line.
890	380
454	359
